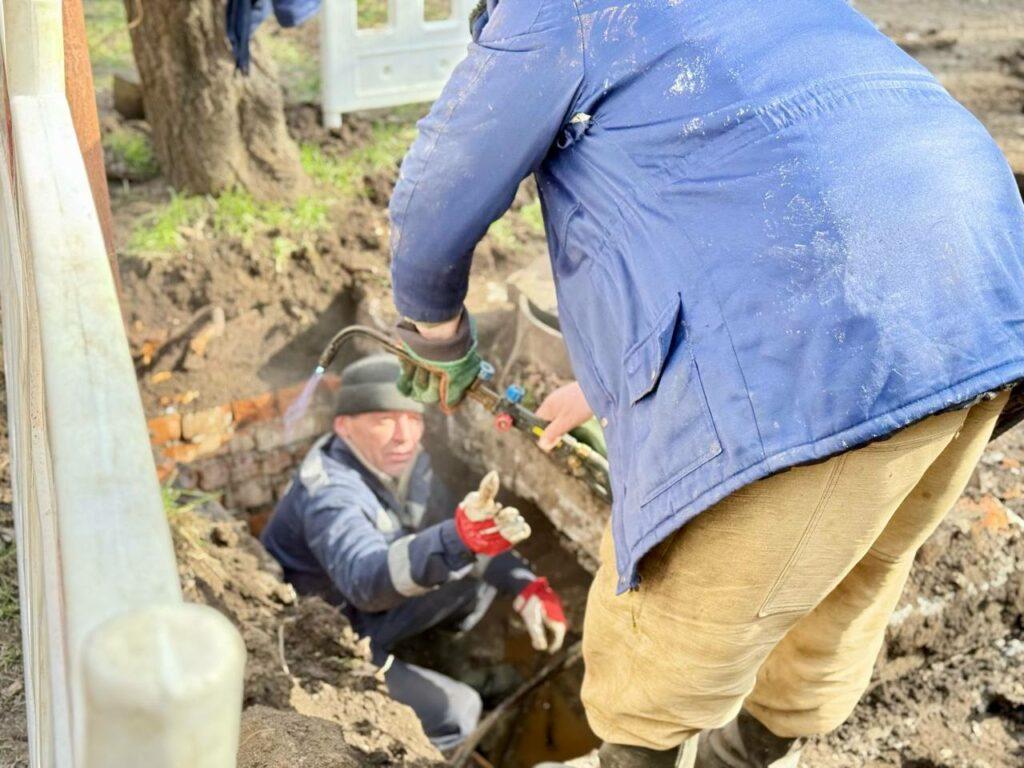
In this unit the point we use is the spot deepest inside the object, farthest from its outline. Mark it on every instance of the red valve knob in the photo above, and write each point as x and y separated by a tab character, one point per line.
503	422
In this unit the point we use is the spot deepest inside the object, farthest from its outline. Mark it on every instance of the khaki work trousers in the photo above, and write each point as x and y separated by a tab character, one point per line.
777	598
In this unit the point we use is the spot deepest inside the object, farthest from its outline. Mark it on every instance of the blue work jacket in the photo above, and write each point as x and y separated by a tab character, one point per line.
774	235
340	533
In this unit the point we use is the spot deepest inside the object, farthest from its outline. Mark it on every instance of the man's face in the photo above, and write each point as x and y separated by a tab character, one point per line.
388	440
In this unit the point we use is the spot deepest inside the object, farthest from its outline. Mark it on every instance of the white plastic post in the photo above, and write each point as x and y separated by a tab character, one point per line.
93	540
406	61
163	688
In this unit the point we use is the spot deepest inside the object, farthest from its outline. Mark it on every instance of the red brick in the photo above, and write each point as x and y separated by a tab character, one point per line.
269	435
164	470
181	453
277	461
323	415
213	474
305	428
251	493
242	442
212	422
244	466
288	395
186	477
254	409
165	429
209	445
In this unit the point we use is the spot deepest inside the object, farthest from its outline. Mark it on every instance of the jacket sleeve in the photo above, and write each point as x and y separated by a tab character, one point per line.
493	124
509	573
372	574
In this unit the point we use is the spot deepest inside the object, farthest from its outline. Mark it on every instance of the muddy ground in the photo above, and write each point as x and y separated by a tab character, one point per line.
949	690
303	658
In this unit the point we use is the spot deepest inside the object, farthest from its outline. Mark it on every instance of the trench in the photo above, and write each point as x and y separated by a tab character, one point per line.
496	656
550	723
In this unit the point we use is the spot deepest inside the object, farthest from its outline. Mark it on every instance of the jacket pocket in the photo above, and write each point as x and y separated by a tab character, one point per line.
674	432
590	307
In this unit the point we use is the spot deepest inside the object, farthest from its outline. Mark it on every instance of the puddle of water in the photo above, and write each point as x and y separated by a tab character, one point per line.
551	724
298	408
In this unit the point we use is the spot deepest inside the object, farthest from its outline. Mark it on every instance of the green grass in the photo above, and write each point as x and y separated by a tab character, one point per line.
503	231
110	47
159	233
133	150
344	174
235	213
8	587
298	69
178	501
502	234
10	653
532	215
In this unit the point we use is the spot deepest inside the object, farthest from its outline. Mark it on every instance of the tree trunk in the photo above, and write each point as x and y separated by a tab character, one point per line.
213	128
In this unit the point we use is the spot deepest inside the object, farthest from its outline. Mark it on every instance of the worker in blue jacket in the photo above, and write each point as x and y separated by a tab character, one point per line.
790	272
367	526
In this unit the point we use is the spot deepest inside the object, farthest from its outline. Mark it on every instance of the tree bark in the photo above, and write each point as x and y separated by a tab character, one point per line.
213	128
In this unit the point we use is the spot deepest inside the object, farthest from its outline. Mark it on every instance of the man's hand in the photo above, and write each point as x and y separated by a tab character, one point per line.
486	527
541	609
445	360
567	410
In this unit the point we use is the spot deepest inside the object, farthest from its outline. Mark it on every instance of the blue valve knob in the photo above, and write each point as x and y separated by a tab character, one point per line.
514	393
486	372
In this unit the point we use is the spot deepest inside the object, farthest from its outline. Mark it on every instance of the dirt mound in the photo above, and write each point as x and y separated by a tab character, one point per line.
949	690
273	738
305	664
283	291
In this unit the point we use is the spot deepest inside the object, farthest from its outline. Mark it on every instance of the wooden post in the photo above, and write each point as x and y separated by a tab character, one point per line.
81	96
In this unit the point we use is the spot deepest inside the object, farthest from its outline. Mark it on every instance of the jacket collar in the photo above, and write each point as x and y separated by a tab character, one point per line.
477	27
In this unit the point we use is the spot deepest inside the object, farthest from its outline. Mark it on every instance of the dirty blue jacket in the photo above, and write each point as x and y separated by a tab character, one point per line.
774	235
339	533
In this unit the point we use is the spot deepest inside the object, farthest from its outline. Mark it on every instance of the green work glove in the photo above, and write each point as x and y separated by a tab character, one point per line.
438	371
590	433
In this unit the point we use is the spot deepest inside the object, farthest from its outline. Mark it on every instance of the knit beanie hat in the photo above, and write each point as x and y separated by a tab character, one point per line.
369	385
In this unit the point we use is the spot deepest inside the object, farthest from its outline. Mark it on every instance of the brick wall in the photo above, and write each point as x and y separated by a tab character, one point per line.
240	449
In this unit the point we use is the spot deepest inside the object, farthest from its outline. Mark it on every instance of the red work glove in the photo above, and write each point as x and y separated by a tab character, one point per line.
486	527
541	608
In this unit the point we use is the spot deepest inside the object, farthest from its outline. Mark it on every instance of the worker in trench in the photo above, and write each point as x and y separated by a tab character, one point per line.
790	272
367	526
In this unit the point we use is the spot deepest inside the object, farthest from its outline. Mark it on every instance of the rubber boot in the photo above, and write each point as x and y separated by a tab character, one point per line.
621	756
745	743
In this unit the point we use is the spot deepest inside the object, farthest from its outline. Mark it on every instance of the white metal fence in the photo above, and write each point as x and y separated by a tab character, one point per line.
118	670
408	60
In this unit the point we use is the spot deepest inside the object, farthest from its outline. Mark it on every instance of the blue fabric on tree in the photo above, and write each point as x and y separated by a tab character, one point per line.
244	16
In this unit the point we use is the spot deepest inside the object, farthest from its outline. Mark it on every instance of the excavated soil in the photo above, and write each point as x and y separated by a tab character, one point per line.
276	321
312	697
